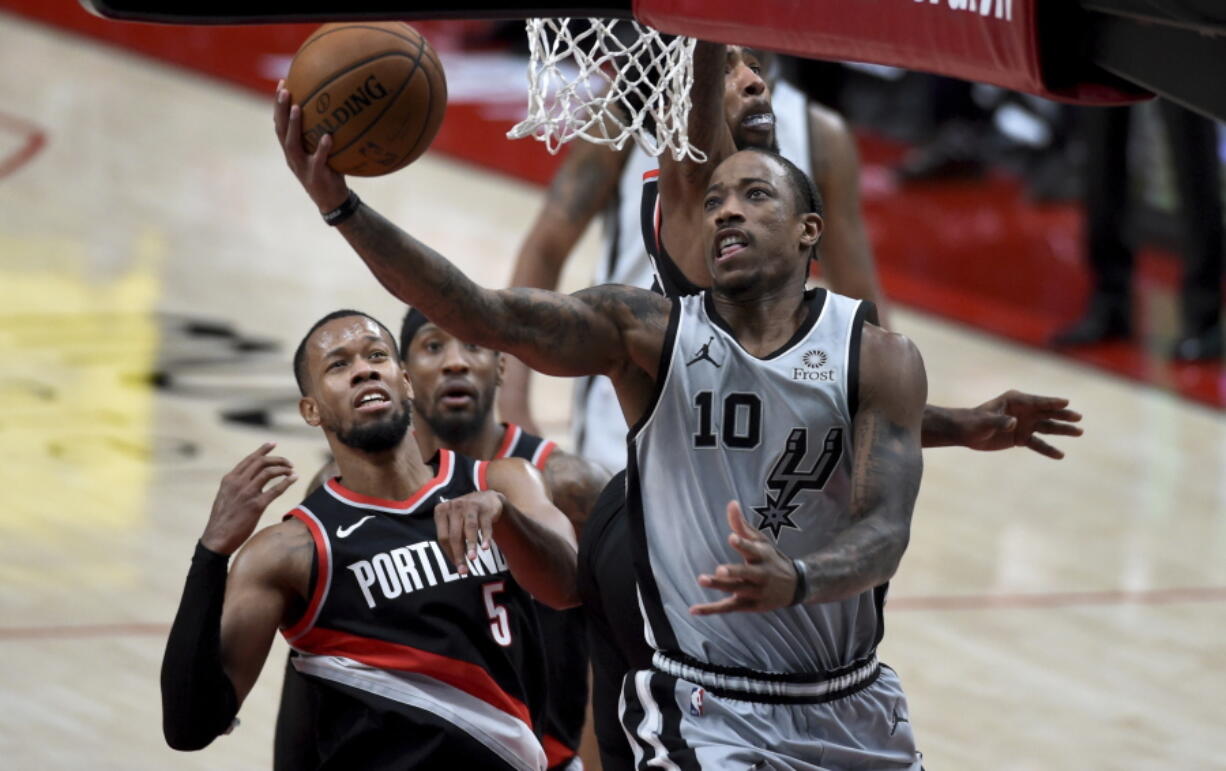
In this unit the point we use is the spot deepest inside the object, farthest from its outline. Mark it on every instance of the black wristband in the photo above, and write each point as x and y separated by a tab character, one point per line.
802	582
344	211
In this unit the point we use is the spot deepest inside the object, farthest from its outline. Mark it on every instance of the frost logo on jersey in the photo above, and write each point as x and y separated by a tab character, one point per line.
704	354
814	359
787	479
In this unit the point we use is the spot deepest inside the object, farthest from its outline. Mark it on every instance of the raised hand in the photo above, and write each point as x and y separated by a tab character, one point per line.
242	497
466	524
765	581
326	188
1015	419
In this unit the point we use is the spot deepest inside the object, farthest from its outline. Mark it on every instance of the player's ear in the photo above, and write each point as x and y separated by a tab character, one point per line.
501	358
812	226
308	408
408	384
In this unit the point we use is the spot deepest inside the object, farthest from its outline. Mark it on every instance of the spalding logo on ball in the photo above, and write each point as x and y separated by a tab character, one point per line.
377	87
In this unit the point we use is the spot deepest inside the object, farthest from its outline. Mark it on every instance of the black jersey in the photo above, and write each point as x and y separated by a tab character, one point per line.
393	628
670	280
518	443
562	634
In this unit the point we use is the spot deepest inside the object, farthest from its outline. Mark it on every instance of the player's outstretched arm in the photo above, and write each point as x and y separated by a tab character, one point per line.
683	183
225	623
1013	419
707	128
535	537
581	188
885	477
592	332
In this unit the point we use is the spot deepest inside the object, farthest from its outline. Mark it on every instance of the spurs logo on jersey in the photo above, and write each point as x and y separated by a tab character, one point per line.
749	431
786	480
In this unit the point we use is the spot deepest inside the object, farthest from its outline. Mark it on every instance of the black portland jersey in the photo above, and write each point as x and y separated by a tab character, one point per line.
518	443
389	615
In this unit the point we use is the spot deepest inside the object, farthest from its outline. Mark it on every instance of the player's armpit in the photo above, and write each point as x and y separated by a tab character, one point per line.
535	537
267	587
574	483
885	475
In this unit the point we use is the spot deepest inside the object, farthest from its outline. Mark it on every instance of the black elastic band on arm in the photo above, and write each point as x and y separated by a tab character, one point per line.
198	699
347	209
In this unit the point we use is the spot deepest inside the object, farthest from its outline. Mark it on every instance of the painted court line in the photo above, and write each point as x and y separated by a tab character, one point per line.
1059	599
932	602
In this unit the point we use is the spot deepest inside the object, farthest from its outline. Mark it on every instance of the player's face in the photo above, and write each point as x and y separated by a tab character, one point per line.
358	390
454	382
756	238
747	100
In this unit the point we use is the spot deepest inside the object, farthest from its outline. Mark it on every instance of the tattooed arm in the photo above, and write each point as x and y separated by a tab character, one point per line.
885	479
612	330
582	187
885	474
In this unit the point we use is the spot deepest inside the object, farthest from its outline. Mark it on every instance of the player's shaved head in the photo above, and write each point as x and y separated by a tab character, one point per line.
300	354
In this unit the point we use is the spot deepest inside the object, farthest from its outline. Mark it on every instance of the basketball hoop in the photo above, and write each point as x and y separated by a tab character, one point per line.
608	81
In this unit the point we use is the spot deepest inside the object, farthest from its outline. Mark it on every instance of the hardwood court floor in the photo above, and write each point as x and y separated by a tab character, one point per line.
159	264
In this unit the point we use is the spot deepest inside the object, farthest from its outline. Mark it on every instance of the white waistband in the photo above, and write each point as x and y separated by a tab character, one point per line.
762	687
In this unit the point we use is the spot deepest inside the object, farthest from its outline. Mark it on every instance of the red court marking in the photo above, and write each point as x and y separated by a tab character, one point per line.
1059	599
35	139
76	632
932	602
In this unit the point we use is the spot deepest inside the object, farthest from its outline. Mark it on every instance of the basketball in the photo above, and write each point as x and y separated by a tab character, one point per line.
377	87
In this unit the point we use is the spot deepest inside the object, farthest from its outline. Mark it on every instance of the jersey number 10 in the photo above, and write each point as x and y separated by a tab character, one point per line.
740	425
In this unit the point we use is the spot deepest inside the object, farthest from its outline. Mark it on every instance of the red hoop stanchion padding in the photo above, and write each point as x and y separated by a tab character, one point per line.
987	41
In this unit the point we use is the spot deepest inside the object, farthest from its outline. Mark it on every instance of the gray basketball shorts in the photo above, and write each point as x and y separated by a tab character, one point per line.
676	723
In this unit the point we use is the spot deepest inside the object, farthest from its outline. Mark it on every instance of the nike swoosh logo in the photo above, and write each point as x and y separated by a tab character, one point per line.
345	532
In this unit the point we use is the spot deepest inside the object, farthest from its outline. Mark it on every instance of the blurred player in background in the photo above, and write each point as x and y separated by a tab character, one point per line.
403	589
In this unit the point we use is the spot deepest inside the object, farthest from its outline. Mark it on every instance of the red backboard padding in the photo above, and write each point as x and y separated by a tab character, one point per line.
988	41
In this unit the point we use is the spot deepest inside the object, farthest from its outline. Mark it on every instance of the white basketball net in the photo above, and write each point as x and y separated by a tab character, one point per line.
608	83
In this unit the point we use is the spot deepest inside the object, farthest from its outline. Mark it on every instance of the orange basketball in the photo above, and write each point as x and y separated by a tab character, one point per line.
377	87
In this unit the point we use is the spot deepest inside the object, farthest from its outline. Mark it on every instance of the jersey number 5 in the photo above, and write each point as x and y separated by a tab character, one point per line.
741	423
500	626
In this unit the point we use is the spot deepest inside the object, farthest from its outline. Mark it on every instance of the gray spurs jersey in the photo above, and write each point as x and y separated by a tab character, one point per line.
774	434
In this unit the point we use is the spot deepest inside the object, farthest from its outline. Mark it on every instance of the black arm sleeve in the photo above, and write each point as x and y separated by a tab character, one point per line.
198	699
